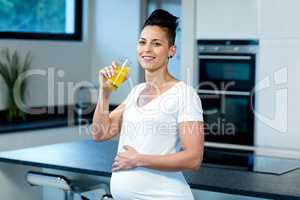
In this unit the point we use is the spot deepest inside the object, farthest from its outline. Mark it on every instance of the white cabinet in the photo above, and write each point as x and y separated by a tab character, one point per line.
279	19
265	19
227	19
277	105
277	102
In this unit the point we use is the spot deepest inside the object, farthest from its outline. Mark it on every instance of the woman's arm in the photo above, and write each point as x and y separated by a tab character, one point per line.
190	158
106	125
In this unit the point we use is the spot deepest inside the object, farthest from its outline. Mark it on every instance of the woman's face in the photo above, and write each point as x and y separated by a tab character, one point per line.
153	48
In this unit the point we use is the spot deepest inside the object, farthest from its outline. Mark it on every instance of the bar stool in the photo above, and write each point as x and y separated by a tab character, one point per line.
69	187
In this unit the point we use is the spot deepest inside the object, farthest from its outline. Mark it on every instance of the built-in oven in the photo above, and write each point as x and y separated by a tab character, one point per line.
228	117
226	80
227	72
227	65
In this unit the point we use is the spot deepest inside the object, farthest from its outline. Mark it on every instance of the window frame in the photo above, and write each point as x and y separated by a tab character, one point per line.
76	36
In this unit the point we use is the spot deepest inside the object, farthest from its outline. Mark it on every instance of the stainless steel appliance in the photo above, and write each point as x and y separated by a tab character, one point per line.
226	79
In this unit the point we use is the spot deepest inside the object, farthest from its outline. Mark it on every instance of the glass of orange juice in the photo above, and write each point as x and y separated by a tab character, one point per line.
121	73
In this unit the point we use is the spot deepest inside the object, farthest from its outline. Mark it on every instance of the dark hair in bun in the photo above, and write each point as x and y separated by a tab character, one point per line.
165	20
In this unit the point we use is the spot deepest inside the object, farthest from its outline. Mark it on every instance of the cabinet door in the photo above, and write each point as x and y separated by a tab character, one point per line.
226	19
277	101
279	19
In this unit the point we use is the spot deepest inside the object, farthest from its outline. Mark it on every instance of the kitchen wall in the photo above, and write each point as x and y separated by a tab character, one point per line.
115	35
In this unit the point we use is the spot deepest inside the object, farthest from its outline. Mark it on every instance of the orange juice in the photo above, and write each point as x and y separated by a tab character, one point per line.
121	72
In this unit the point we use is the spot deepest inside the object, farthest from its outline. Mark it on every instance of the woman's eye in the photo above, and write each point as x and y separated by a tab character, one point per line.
142	42
156	44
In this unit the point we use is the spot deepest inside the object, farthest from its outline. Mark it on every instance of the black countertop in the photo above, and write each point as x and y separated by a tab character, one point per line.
94	158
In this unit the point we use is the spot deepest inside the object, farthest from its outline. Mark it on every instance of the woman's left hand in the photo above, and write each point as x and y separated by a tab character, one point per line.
126	160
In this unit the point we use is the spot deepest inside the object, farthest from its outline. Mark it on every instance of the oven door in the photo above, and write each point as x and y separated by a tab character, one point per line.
228	117
227	72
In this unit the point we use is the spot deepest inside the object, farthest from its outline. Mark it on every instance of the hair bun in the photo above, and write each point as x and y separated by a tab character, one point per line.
162	18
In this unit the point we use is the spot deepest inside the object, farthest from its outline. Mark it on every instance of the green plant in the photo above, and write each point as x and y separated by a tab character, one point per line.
13	66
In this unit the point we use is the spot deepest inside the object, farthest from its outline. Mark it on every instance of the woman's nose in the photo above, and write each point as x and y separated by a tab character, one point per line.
147	48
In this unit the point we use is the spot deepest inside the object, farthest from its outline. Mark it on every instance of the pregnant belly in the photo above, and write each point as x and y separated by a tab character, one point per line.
144	184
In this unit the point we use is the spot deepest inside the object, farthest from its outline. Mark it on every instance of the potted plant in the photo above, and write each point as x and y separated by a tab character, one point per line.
12	66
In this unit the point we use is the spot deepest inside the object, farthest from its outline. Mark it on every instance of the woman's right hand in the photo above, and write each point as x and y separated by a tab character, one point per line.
105	74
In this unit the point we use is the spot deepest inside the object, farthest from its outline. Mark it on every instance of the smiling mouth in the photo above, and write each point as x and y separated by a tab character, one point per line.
148	58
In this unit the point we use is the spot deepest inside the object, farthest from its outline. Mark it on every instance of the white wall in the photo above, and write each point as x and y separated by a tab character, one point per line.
115	35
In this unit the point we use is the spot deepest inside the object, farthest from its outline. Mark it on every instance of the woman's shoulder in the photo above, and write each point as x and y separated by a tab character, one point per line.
185	87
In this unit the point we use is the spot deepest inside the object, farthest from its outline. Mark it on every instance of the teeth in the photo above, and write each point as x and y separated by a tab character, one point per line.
148	57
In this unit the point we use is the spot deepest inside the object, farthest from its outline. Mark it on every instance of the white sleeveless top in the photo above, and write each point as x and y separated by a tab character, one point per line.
153	129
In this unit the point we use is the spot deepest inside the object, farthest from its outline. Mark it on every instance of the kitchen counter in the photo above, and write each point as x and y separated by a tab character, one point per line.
94	158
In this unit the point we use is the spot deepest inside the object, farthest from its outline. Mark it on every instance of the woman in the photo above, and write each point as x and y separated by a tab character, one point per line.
159	123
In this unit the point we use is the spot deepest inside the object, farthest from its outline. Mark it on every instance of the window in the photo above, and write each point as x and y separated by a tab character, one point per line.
41	19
